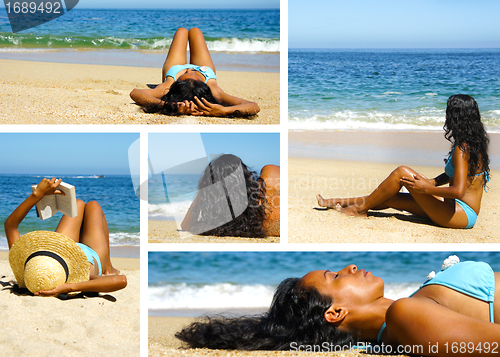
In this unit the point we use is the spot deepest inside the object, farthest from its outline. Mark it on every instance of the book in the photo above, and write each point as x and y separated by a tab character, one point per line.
50	204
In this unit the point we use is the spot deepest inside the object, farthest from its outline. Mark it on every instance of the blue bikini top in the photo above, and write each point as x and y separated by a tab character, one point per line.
475	279
207	72
449	169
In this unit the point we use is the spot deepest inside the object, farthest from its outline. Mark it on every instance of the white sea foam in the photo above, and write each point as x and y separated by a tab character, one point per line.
345	122
124	238
161	210
233	296
244	45
213	296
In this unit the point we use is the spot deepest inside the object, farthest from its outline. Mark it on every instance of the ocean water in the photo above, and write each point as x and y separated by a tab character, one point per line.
189	282
252	33
114	193
170	196
389	89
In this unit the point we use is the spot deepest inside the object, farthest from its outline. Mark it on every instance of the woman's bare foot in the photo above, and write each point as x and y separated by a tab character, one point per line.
328	203
350	211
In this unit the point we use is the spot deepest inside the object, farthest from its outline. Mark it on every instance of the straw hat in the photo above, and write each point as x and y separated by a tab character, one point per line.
43	260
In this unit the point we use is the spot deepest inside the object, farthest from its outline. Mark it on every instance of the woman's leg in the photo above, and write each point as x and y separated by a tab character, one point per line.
71	227
95	234
198	49
177	52
441	211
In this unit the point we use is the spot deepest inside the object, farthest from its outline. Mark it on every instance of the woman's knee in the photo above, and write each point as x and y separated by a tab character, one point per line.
182	30
80	205
403	171
93	205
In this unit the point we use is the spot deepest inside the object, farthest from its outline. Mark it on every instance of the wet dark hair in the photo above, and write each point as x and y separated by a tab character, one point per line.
180	91
463	128
296	316
240	190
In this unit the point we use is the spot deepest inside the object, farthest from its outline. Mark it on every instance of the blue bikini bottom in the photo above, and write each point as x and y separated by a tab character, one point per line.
471	214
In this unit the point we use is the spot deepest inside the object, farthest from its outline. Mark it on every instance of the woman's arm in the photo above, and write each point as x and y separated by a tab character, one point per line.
231	106
45	187
440	180
147	97
438	331
459	183
101	284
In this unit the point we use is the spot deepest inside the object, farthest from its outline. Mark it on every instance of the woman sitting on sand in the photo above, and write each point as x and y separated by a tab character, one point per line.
456	311
232	201
191	89
79	250
466	171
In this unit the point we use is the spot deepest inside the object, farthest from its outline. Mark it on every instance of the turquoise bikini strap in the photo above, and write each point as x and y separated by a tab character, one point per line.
379	337
492	316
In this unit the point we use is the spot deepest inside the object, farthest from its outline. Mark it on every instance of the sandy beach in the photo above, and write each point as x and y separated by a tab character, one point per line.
107	325
168	232
162	342
62	93
359	173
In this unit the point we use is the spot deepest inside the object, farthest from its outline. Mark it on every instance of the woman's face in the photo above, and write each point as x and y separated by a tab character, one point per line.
350	285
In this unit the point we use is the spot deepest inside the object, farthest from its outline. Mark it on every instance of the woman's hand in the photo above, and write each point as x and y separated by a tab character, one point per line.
187	108
61	289
417	183
204	107
48	187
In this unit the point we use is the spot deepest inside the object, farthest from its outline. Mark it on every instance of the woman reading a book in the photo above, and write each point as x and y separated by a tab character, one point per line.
191	89
80	245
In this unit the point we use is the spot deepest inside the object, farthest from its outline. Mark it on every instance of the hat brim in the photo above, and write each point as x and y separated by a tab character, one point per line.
63	246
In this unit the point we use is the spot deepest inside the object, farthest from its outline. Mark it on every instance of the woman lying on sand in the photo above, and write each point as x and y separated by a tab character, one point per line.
191	89
457	311
466	171
79	249
232	201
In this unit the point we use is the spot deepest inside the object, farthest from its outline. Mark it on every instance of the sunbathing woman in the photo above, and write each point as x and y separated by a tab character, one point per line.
191	89
455	312
466	171
232	201
89	230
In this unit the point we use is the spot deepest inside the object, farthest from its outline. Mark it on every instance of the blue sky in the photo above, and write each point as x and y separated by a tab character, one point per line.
394	24
255	150
178	4
65	154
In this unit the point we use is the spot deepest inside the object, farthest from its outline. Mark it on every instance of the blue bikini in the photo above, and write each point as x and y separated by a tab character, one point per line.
207	72
475	279
449	170
91	255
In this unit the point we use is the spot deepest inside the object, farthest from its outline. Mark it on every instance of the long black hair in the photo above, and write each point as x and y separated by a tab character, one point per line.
180	91
463	128
230	201
296	317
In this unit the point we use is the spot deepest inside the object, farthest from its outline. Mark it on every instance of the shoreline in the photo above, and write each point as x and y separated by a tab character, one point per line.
168	232
323	164
64	93
226	61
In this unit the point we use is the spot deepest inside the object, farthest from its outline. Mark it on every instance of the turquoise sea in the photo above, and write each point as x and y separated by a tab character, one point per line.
236	38
384	89
195	283
115	194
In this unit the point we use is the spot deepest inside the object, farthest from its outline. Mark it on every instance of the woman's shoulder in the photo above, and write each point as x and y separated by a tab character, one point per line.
270	172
